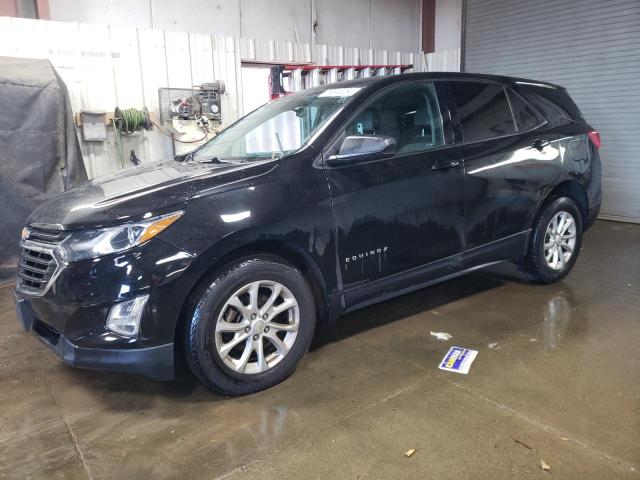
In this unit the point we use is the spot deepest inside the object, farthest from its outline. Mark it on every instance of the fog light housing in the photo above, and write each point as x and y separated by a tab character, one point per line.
124	318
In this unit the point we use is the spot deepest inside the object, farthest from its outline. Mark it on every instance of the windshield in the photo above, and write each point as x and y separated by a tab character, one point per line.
276	129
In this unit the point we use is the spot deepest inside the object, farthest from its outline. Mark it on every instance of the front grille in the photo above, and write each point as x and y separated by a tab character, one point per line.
38	265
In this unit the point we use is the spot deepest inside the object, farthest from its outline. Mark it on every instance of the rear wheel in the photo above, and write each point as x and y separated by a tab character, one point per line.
555	242
250	326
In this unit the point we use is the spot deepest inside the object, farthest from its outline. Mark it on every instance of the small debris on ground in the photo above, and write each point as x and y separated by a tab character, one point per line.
409	452
522	443
442	336
493	345
543	465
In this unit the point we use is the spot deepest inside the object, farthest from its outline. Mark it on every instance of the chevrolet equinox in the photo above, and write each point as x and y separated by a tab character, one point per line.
316	204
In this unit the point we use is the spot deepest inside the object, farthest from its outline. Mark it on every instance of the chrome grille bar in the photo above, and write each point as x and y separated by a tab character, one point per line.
39	261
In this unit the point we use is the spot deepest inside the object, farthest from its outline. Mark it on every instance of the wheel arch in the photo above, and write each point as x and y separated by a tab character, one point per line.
571	189
291	254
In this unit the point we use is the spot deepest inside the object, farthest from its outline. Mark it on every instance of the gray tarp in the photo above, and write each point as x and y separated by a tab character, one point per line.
39	151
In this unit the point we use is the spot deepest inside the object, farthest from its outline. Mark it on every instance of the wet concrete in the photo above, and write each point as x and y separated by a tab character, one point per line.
563	379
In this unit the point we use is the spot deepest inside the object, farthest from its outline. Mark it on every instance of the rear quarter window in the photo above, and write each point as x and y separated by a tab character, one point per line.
525	116
555	104
483	110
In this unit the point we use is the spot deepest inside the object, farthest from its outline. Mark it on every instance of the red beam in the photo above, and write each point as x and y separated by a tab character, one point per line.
428	26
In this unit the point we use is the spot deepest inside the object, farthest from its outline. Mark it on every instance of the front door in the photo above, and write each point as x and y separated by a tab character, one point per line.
405	211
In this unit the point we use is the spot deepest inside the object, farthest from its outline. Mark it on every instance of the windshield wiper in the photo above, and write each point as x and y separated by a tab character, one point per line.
211	160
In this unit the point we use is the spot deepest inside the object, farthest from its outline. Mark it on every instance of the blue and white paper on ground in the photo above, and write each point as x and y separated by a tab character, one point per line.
458	360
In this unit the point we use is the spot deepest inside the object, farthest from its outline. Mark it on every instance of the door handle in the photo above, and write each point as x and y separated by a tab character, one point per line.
539	144
442	164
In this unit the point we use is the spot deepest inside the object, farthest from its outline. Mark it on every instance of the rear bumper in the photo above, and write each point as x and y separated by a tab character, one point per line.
155	362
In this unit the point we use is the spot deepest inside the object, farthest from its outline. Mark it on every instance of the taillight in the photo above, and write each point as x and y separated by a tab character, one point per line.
595	138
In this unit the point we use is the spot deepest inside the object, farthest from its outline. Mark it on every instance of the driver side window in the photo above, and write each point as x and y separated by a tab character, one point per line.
409	114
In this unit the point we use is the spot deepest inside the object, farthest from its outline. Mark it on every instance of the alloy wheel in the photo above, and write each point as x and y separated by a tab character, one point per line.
257	327
560	240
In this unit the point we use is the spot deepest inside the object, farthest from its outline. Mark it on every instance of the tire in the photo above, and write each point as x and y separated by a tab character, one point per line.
536	266
222	311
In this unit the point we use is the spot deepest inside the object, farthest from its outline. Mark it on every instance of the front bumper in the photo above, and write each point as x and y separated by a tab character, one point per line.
154	362
70	316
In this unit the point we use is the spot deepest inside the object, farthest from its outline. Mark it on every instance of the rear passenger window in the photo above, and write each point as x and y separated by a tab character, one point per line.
483	110
526	118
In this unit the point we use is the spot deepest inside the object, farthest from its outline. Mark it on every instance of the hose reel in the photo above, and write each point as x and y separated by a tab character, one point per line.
128	122
131	120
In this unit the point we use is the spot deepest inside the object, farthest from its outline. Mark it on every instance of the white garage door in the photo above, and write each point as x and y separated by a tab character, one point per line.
590	47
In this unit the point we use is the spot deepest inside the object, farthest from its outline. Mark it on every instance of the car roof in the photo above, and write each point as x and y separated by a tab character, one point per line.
376	82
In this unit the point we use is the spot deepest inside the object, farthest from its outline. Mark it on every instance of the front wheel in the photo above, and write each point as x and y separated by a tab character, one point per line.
555	242
250	326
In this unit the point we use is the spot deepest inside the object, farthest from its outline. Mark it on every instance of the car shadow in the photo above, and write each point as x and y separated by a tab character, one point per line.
429	298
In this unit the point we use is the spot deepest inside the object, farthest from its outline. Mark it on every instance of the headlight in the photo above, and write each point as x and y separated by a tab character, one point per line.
104	241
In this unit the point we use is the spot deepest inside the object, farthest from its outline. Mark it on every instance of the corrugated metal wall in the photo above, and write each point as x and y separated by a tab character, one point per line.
589	46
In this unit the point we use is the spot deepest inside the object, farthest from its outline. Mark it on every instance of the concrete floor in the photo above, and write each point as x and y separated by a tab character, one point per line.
563	379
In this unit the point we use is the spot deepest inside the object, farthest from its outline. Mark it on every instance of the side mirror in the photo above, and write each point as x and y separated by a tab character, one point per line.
362	148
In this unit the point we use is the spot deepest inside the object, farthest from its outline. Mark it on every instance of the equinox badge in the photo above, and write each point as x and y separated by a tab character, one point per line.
369	253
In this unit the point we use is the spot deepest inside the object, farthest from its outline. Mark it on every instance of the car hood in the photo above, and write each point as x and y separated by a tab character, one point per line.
139	192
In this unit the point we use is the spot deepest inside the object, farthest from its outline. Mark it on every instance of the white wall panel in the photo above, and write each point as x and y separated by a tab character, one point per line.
215	17
448	24
442	61
395	25
153	63
178	59
274	51
288	20
96	66
201	53
127	74
126	13
226	67
344	22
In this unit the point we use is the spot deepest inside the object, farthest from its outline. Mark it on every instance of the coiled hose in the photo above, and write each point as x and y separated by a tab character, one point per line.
131	120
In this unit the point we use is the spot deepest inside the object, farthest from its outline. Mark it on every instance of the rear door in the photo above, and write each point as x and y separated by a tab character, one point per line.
508	159
403	212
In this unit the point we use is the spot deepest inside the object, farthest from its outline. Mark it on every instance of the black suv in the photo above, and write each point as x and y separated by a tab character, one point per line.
316	204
